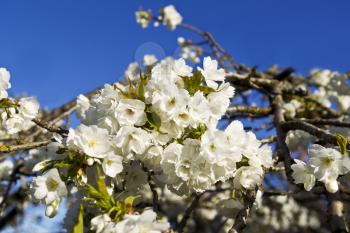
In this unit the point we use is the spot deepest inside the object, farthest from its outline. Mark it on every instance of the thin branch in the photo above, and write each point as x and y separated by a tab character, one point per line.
188	212
28	146
50	127
248	111
155	201
270	139
242	216
311	129
281	136
330	122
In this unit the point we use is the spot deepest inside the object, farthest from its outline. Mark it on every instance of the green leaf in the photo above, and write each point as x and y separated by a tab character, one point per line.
79	225
7	103
197	79
342	143
101	182
63	163
4	148
129	202
206	90
154	119
93	192
192	84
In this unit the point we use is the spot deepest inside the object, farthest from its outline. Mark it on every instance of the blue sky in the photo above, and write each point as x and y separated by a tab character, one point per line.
57	49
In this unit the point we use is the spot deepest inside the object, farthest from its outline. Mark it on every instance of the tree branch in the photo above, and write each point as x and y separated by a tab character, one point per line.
188	212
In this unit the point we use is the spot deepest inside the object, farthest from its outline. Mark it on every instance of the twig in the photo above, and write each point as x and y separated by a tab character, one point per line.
154	193
242	216
28	146
281	136
270	139
331	122
248	110
311	129
188	212
50	127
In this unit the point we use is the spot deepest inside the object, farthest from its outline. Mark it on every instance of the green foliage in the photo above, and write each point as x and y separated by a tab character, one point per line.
243	162
136	91
154	120
7	103
122	208
194	133
342	143
73	162
194	84
100	194
79	225
4	148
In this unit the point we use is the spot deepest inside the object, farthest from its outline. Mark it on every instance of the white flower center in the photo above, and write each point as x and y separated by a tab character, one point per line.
51	184
92	143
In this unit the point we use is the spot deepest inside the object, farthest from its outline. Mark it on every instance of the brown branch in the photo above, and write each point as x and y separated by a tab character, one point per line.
155	201
50	127
270	139
242	216
28	146
321	134
330	122
248	111
281	136
188	212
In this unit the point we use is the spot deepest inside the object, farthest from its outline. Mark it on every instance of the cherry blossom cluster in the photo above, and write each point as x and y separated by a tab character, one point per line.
324	165
189	50
162	121
15	114
169	16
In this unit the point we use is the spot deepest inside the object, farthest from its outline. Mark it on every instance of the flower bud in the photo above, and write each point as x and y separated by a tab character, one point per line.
332	186
51	210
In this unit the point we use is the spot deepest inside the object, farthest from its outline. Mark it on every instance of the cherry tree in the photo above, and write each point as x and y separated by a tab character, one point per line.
199	143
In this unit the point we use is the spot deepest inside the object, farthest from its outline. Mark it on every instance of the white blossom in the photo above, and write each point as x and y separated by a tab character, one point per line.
131	112
321	77
143	18
4	82
133	71
99	223
220	100
83	105
49	188
172	18
145	222
291	107
303	174
91	140
149	59
328	164
198	109
211	72
112	164
170	103
130	139
29	108
181	69
248	177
